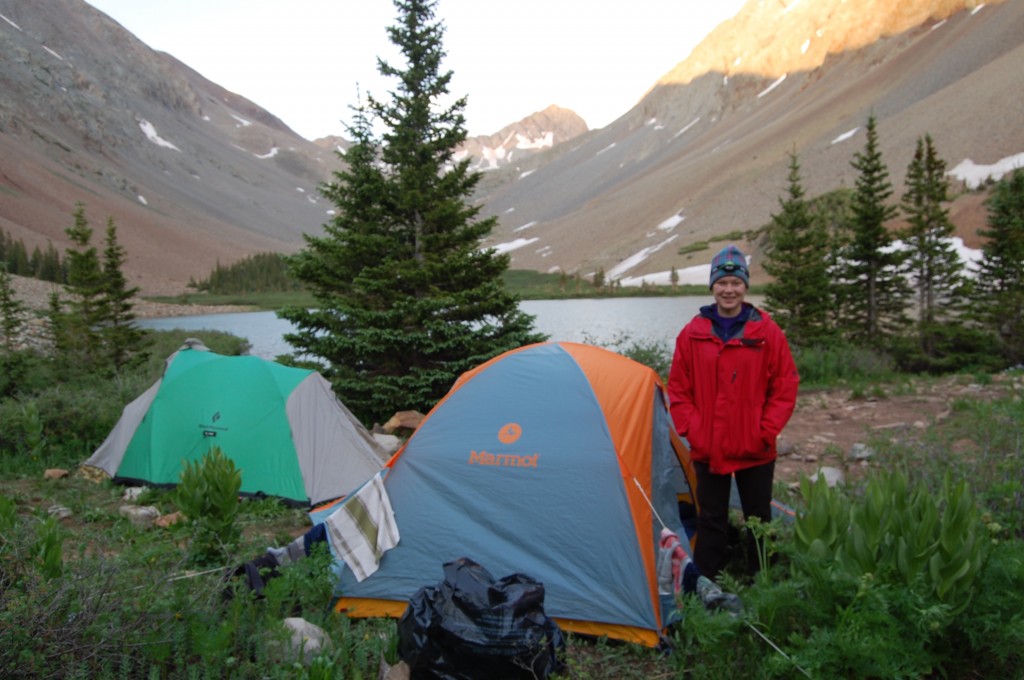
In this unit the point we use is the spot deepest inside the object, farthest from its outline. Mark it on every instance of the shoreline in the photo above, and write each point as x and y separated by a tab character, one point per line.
35	295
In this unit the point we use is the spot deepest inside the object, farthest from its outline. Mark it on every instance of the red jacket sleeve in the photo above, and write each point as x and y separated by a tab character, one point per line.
783	384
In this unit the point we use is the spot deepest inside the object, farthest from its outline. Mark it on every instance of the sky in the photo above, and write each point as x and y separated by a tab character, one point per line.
306	61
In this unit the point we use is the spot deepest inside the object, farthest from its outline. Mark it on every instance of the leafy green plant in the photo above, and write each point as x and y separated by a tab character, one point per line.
897	533
48	552
35	440
208	496
763	536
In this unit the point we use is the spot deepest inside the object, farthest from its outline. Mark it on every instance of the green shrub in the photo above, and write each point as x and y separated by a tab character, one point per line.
208	496
645	351
842	364
891	569
694	247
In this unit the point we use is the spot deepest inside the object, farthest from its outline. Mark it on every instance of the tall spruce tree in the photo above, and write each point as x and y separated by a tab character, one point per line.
406	298
124	343
800	294
876	293
933	265
86	301
1000	277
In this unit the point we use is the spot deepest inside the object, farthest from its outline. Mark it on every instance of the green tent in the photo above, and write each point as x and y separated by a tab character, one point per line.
283	427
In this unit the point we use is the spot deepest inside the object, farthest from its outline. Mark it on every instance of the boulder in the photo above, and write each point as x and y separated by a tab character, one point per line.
389	442
833	476
305	641
140	515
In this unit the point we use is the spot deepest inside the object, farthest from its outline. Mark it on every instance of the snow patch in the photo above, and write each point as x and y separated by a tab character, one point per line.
688	126
513	245
53	53
973	175
142	199
697	275
805	46
636	258
545	142
671	223
941	23
243	121
772	86
527	173
846	135
150	132
10	22
269	154
525	226
605	149
976	10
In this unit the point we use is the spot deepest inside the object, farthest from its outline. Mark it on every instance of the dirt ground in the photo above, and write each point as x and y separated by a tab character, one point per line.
828	423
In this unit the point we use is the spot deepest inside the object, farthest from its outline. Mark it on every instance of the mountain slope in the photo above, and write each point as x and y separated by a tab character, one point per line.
194	174
704	154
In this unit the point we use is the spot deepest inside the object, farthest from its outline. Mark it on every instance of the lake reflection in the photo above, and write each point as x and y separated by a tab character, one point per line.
595	321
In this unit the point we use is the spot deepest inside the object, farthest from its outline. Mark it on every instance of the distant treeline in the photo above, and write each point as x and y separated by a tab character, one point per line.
259	273
46	265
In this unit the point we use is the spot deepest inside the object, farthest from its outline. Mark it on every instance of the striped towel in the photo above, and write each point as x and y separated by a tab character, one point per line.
363	527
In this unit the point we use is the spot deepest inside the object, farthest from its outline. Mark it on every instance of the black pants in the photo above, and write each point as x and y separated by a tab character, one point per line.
755	489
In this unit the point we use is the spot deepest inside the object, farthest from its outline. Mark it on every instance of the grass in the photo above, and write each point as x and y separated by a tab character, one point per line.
527	285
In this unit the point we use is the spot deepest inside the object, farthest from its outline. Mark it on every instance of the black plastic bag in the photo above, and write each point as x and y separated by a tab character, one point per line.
470	626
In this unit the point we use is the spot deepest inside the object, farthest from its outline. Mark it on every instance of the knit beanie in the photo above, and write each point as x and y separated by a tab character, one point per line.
730	261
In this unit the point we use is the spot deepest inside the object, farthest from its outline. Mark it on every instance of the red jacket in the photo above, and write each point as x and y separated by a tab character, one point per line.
732	399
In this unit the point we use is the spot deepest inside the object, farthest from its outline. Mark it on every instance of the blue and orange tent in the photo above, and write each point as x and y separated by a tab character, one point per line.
554	460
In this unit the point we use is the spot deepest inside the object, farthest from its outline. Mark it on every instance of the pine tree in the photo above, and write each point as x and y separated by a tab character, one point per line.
876	294
123	342
18	259
11	310
50	267
86	303
1000	277
800	296
406	298
934	268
